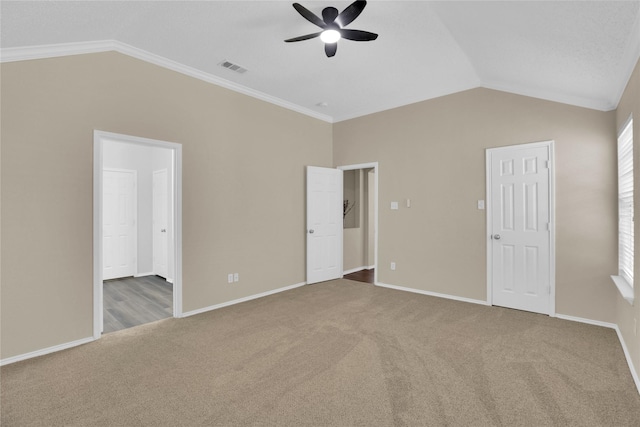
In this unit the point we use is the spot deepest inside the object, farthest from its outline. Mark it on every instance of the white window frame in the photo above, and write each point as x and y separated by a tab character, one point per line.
624	279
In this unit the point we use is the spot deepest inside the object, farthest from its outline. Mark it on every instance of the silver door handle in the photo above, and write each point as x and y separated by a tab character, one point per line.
496	236
310	231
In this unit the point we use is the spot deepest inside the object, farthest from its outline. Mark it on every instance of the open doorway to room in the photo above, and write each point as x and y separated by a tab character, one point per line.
359	219
136	231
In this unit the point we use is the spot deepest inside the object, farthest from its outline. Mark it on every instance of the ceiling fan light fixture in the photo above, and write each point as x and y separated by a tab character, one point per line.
330	36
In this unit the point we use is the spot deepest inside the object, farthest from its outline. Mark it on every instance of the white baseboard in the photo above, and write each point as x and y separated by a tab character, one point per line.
354	270
144	274
239	300
44	351
587	321
627	356
632	368
432	294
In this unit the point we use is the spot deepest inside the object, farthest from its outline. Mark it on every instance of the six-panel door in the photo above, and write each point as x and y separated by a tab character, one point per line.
520	228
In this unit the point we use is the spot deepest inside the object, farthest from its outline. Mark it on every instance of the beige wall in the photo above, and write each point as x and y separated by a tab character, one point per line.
243	186
433	152
243	197
625	313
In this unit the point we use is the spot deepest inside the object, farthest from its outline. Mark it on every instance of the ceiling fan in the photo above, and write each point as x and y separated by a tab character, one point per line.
332	24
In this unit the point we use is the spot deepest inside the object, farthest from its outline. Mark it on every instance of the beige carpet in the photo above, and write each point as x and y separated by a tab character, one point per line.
339	353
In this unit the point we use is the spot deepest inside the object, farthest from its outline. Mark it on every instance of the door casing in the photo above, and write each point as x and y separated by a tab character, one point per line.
99	139
552	209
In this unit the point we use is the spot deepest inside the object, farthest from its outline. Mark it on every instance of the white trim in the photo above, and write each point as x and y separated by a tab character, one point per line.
376	171
99	139
624	288
630	59
67	49
26	53
241	300
626	122
552	217
553	96
355	270
632	368
432	294
627	355
587	321
44	351
151	273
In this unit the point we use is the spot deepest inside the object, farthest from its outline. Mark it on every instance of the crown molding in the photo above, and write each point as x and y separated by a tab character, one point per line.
15	54
630	59
575	101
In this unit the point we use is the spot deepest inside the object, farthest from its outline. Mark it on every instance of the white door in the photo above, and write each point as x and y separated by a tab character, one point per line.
119	224
519	223
160	238
324	224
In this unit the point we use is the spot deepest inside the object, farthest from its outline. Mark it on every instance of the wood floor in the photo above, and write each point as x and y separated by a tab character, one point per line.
365	276
134	301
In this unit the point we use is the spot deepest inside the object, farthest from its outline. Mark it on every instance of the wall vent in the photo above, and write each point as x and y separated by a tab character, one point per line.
233	67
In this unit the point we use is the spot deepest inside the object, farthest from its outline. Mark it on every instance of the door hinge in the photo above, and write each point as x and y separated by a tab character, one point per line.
548	226
547	164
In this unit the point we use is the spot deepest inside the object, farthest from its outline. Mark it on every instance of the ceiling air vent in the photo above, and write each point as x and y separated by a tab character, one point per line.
233	67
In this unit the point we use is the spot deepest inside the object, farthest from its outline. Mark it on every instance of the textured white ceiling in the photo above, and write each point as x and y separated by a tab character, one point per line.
580	53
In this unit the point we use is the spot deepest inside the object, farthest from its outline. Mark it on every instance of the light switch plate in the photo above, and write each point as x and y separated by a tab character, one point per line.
481	204
394	205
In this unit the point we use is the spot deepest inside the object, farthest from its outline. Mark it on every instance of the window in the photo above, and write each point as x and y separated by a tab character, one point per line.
625	209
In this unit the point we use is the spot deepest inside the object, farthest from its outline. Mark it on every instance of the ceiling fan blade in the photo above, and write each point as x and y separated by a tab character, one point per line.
329	14
351	12
330	49
358	36
308	15
305	37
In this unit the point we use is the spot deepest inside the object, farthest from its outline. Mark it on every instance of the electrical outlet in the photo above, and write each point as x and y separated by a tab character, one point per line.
230	278
236	277
393	265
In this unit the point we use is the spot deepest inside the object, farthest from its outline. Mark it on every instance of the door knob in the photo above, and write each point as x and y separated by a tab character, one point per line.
310	231
496	236
163	230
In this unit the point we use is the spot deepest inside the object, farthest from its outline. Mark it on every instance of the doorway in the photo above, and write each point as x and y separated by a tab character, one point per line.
520	227
360	222
325	221
143	280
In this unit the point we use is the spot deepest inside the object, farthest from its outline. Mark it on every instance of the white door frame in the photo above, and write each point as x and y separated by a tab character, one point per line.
99	139
550	145
135	211
373	165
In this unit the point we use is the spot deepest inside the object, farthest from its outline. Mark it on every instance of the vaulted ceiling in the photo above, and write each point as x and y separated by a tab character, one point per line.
575	52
